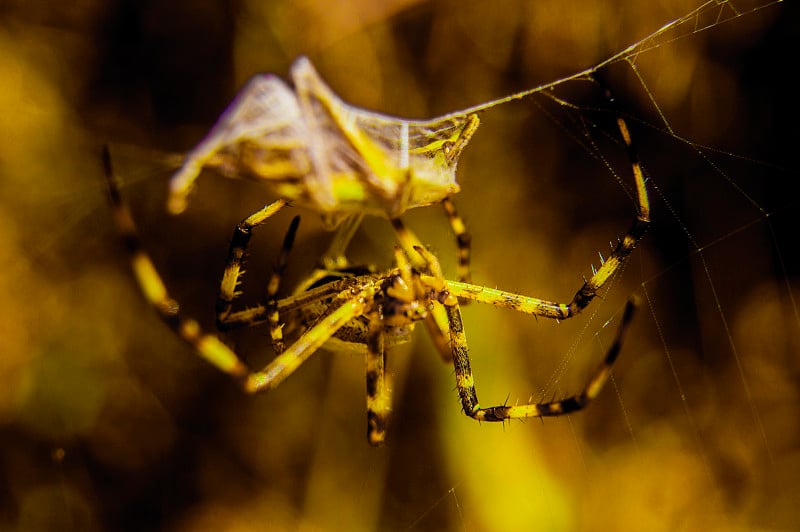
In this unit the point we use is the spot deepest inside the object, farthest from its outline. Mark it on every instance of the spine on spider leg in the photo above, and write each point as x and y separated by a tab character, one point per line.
152	285
640	224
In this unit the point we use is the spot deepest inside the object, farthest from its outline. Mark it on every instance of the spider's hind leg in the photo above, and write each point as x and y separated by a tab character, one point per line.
466	384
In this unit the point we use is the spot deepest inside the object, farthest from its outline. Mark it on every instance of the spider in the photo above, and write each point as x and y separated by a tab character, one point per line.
356	306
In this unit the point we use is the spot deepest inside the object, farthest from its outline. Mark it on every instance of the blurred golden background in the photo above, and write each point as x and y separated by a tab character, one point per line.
108	421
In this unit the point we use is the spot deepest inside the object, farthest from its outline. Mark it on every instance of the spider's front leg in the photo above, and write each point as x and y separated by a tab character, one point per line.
226	317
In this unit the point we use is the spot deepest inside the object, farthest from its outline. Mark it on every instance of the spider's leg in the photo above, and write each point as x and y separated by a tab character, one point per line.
501	298
310	341
463	240
466	384
233	266
258	314
271	301
208	346
569	404
635	233
328	290
609	267
378	392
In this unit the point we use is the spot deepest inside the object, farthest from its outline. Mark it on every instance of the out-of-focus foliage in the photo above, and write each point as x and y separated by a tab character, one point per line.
107	421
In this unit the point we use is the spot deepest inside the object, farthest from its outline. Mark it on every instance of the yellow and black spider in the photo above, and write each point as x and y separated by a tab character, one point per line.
376	310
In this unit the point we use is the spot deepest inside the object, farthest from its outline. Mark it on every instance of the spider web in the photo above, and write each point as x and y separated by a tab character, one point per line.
697	427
